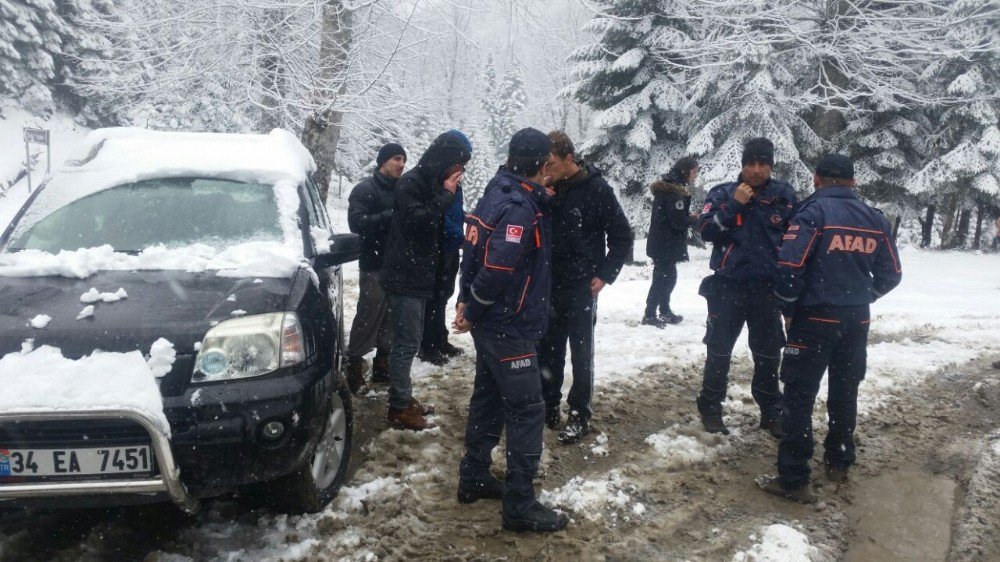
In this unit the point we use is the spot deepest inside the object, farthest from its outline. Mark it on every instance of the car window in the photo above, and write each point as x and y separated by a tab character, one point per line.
172	212
318	208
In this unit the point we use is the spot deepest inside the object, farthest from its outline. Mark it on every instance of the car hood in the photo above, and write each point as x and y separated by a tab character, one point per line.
175	305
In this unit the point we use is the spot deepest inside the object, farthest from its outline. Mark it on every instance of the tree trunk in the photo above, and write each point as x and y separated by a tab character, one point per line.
962	232
978	236
274	79
927	227
321	132
949	222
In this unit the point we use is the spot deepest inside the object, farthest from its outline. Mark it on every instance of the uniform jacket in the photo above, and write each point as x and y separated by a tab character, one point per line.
592	236
837	252
669	220
415	238
505	273
745	237
369	213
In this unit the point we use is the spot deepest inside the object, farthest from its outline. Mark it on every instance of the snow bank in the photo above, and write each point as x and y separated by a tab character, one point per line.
42	380
780	543
252	259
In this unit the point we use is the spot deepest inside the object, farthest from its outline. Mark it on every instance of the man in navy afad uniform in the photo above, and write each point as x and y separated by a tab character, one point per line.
744	220
837	257
503	299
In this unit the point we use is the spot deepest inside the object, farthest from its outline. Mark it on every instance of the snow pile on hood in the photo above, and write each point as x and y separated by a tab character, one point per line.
594	499
252	259
93	295
42	380
780	543
680	447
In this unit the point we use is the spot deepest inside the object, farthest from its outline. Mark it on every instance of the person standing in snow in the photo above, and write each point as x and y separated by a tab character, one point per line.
669	223
744	220
423	196
837	258
503	300
592	240
369	214
435	347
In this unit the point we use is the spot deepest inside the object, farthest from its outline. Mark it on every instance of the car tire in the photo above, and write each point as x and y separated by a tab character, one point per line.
310	488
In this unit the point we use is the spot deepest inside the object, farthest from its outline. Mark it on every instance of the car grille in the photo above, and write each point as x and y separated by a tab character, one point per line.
72	433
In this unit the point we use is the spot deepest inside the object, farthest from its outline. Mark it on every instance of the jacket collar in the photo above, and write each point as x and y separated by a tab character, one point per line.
837	191
382	180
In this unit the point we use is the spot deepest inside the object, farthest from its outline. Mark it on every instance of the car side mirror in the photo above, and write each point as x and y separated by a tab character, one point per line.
343	248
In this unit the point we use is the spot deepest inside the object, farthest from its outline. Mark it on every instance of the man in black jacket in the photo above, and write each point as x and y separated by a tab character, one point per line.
369	213
409	271
591	241
666	244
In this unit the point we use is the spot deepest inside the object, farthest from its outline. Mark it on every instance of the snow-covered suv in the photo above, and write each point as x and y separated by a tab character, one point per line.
171	327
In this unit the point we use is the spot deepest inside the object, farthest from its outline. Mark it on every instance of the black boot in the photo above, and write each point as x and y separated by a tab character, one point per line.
553	419
772	424
354	374
671	318
432	356
380	366
653	321
451	350
576	429
470	492
713	423
772	485
538	518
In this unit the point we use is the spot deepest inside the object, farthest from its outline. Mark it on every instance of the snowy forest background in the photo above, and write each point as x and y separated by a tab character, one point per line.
909	88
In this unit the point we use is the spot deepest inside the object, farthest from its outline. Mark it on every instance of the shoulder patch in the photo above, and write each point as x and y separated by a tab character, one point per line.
679	205
514	233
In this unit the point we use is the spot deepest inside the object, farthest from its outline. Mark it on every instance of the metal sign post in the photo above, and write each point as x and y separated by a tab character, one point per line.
36	136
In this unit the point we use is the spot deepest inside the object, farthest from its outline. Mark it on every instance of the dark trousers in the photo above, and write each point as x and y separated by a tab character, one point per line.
820	337
730	306
435	325
407	314
371	327
506	393
664	281
572	315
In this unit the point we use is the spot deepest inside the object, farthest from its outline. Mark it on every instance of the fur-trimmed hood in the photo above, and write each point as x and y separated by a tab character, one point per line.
663	186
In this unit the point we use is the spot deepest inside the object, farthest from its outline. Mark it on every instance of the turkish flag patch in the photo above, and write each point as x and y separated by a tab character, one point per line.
514	233
706	208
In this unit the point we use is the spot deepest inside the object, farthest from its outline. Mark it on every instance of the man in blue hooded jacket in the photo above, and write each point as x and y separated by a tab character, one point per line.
504	302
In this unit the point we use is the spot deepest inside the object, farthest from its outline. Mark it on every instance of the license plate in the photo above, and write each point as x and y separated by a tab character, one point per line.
71	462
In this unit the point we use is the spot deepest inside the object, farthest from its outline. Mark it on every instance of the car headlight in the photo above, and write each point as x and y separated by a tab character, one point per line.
250	346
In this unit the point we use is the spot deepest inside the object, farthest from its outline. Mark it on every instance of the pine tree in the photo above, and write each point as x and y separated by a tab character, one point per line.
31	38
964	169
631	78
502	103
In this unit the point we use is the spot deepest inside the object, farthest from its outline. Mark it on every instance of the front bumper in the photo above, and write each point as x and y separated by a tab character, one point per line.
216	446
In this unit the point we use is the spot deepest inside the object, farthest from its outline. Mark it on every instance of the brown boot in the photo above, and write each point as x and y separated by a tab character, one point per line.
380	366
424	409
409	418
354	373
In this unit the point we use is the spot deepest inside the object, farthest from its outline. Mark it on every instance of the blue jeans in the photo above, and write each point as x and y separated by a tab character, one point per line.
507	392
407	314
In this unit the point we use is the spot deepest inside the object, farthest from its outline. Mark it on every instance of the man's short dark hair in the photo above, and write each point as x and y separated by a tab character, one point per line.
526	166
562	146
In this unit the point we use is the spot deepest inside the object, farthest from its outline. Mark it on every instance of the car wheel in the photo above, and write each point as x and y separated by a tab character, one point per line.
310	488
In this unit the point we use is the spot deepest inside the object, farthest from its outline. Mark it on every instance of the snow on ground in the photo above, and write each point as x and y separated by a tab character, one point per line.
42	380
779	543
679	447
609	497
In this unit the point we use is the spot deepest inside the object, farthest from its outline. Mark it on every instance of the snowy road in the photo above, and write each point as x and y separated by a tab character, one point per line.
648	484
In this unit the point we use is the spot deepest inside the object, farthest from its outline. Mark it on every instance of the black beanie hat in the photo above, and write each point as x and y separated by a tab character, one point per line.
758	150
388	151
835	166
529	143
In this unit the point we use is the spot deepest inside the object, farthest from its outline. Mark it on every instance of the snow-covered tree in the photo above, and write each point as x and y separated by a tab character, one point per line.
31	37
502	103
632	78
964	169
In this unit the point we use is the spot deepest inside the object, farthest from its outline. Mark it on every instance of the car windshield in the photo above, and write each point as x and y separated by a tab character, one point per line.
172	212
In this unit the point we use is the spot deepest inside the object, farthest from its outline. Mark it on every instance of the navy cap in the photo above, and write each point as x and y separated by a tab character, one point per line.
388	151
758	150
529	143
835	166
